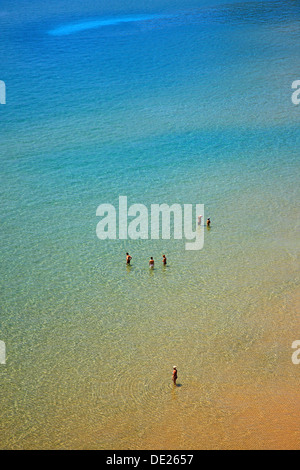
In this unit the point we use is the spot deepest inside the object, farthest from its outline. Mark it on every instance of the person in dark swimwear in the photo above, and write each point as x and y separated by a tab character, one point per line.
151	262
128	258
208	223
174	375
164	260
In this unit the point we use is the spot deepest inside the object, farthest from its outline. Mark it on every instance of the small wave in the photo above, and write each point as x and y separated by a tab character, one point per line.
71	28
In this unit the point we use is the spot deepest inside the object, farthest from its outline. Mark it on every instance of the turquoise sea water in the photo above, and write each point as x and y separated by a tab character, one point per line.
183	102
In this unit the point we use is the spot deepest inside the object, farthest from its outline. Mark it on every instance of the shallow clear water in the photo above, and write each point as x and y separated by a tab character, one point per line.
191	105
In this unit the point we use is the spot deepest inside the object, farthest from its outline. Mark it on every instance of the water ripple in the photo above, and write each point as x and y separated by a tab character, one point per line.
71	28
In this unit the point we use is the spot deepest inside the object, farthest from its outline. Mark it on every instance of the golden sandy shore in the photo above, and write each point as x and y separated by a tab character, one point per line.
264	414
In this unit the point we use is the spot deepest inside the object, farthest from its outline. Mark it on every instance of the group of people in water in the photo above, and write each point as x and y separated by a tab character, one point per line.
164	260
151	262
207	221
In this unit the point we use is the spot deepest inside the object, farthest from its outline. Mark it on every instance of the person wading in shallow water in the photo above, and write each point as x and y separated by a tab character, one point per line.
128	258
174	375
151	262
164	260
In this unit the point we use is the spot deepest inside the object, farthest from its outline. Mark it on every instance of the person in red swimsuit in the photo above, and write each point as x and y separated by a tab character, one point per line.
174	375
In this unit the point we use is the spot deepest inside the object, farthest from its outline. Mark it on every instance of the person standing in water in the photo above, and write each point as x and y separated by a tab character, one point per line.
128	258
208	223
174	375
151	262
164	260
